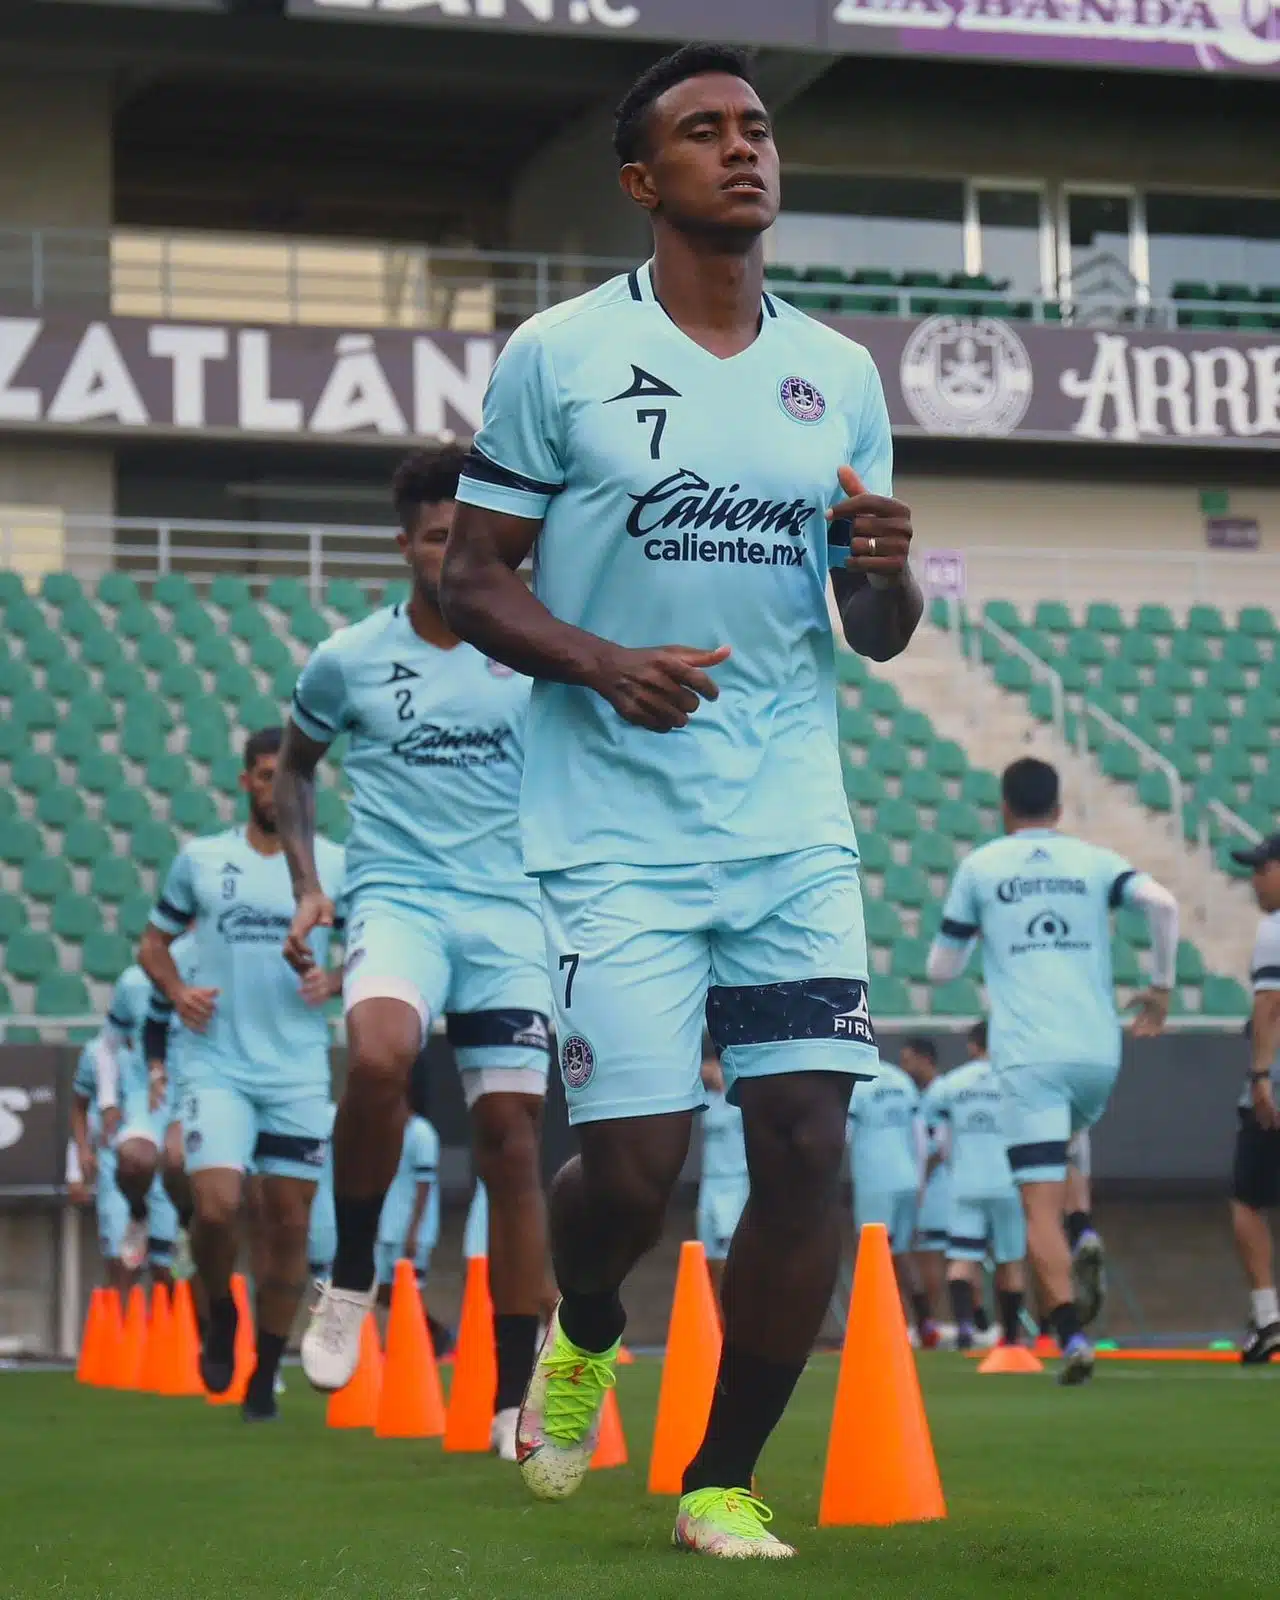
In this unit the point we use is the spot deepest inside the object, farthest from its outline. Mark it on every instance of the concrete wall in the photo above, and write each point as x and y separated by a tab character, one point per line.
55	149
567	199
75	479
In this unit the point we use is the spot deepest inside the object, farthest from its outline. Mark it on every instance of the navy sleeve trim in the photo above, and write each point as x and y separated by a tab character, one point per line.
166	908
310	715
1116	897
951	929
484	470
1265	974
633	283
118	1022
770	308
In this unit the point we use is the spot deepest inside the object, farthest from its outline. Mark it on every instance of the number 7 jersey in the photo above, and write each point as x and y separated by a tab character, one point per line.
682	501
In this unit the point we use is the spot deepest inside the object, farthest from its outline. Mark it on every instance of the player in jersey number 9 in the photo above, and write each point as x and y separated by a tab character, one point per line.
691	458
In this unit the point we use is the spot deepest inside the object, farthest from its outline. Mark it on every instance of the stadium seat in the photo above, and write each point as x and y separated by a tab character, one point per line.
1140	648
260	711
931	852
13	739
884	925
888	758
248	623
271	654
33	772
897	819
855	725
194	811
923	787
104	955
159	651
881	698
13	916
913	729
890	997
134	915
136	622
101	650
215	654
1154	791
1104	617
947	759
123	680
44	878
208	740
115	879
117	589
66	679
36	710
181	681
1206	620
1053	617
59	806
230	592
873	852
1120	761
15	677
126	807
1223	997
100	772
332	817
236	683
1257	622
959	998
287	594
30	955
192	622
1190	964
153	844
62	994
851	669
86	843
168	773
1191	648
1124	964
75	917
1243	650
141	739
224	774
959	820
1155	619
346	598
908	959
175	590
981	788
906	886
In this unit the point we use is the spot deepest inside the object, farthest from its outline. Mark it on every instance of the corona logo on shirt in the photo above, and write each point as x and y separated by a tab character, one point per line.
430	745
1014	890
684	505
244	924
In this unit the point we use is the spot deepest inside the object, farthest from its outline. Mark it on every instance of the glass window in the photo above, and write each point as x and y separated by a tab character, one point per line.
893	224
1099	226
1009	220
1213	239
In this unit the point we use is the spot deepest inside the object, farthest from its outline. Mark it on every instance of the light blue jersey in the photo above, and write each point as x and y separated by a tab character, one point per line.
436	753
419	1163
969	1103
682	501
262	1034
1041	902
884	1154
85	1085
935	1201
1264	974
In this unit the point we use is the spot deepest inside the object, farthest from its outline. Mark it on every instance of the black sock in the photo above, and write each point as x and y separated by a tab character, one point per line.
920	1305
1011	1315
220	1330
750	1396
1046	1328
263	1382
1066	1323
981	1320
186	1214
357	1234
961	1291
138	1209
517	1339
593	1322
1077	1223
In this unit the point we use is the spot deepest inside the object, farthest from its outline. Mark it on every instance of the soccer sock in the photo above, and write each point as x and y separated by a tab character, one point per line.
1266	1309
186	1212
1077	1224
1010	1315
516	1338
357	1235
1066	1323
961	1291
138	1208
981	1320
594	1322
920	1306
750	1396
262	1384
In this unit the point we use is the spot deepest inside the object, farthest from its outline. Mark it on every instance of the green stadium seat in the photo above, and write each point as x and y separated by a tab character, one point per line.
1120	676
117	589
1191	648
30	955
100	772
195	811
173	589
981	788
1140	648
115	879
214	653
890	997
884	925
888	758
862	784
124	680
855	725
1053	617
1155	619
230	592
224	774
1211	707
8	805
1190	964
1104	617
1256	622
874	854
136	622
141	740
104	955
62	994
851	669
193	622
1158	705
67	679
271	654
43	649
183	682
61	588
1181	753
12	588
82	620
15	677
127	807
13	916
332	817
23	618
1040	702
153	844
159	651
1242	649
1124	964
59	807
168	773
932	853
1227	677
207	741
248	623
1266	791
1041	645
36	710
906	886
897	819
260	711
1171	675
1254	736
923	787
959	820
1206	620
102	650
347	599
33	772
1004	614
1120	761
1232	764
288	594
86	843
909	958
959	998
45	878
236	683
880	697
133	916
75	917
1088	648
947	759
913	729
1223	997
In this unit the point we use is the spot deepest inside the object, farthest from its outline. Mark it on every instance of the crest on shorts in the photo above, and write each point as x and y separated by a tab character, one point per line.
577	1062
801	400
499	669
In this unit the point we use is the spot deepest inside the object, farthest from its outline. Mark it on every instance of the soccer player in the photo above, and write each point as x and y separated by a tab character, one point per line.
1040	902
1256	1179
96	1162
928	1266
443	922
985	1212
676	445
723	1185
410	1222
886	1149
252	1070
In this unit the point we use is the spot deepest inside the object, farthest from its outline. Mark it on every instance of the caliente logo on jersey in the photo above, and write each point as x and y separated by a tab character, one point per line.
428	744
687	504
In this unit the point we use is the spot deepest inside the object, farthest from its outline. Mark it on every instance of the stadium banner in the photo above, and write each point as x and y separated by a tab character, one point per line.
32	1120
1159	35
944	376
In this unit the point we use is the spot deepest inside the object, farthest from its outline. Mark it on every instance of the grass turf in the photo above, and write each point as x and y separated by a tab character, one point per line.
1154	1480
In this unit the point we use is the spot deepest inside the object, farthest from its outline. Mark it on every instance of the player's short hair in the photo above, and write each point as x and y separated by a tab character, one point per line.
425	478
266	742
922	1045
631	120
978	1035
1030	789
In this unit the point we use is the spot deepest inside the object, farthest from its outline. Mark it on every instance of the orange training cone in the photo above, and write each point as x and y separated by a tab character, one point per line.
133	1343
625	1357
1010	1358
155	1353
246	1350
611	1447
880	1461
475	1365
89	1368
356	1406
182	1375
411	1404
112	1339
688	1372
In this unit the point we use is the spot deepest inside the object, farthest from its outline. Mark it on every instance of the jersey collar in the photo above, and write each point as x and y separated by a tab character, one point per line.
640	282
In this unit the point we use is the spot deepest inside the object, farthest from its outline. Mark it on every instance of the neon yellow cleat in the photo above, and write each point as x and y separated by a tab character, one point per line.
560	1418
729	1523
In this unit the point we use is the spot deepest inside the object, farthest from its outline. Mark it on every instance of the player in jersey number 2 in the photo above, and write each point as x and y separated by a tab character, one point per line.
674	445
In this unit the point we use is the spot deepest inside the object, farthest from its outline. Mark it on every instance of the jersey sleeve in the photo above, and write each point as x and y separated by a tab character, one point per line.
516	464
85	1082
176	906
1117	877
961	918
871	456
1264	969
320	696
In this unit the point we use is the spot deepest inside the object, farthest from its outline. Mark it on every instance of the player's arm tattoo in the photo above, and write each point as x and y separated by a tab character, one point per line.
878	622
295	797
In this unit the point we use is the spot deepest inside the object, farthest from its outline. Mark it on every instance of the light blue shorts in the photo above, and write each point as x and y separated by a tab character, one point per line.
279	1136
139	1121
477	960
932	1224
895	1208
393	1224
720	1203
987	1225
772	950
475	1235
1043	1107
111	1207
322	1231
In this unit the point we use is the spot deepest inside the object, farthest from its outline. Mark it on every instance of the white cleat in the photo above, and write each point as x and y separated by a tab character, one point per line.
133	1247
331	1344
502	1435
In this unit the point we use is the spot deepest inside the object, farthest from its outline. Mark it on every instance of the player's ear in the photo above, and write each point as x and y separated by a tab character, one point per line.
637	184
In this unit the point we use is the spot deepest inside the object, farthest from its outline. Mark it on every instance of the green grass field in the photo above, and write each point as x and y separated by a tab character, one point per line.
1157	1480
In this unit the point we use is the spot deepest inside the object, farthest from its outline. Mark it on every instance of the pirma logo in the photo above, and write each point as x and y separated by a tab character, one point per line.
801	400
577	1062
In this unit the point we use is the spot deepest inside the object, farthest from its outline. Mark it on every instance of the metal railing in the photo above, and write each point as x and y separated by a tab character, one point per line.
1039	668
1148	755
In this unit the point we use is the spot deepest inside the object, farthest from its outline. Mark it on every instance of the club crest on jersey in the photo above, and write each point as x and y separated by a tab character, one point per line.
577	1062
801	400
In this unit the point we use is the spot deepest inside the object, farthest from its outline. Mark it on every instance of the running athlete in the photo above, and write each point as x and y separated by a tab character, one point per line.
885	1164
985	1217
252	1068
919	1059
96	1165
1041	902
723	1185
443	924
686	457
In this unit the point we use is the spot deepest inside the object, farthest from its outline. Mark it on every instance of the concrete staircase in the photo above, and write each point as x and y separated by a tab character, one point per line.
995	728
